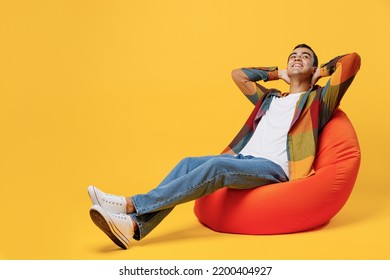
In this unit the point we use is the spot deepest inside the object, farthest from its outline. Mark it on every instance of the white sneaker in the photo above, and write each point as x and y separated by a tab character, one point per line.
109	202
118	227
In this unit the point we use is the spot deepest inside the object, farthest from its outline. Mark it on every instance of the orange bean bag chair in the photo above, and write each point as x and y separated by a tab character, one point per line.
293	206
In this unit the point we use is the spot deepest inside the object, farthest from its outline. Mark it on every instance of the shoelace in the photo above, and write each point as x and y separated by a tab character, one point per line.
112	199
119	216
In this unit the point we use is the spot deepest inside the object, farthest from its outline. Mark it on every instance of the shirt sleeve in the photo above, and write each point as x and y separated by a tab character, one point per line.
342	71
246	79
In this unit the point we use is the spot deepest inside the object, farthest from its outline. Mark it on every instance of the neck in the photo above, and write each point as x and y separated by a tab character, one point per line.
299	86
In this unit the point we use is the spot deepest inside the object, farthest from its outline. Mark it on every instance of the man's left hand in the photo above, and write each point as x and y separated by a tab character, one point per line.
316	76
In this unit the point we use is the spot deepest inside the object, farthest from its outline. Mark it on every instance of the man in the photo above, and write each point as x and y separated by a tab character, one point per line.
277	143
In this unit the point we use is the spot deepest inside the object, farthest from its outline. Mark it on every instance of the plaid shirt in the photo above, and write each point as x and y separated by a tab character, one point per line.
313	110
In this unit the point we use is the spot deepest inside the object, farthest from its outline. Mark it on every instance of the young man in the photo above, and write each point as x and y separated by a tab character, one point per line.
277	143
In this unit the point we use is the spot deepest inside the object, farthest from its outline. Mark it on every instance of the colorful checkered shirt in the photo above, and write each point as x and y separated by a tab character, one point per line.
313	110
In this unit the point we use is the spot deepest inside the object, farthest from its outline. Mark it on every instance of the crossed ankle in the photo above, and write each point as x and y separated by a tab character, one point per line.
135	226
129	206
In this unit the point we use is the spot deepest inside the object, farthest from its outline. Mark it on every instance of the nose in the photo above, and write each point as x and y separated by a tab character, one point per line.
298	57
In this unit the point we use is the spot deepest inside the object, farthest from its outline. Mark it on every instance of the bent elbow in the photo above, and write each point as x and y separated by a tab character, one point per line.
236	74
354	60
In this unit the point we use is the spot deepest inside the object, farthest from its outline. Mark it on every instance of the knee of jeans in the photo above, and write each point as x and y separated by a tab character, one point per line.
218	164
185	160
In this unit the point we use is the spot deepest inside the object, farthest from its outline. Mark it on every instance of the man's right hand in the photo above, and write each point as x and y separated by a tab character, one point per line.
282	74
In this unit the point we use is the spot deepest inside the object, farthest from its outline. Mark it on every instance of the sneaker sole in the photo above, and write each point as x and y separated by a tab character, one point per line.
109	228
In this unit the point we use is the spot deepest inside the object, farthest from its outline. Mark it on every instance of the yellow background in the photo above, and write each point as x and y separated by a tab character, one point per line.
114	93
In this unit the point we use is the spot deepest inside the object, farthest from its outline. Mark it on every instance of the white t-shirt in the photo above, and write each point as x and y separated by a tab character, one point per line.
270	137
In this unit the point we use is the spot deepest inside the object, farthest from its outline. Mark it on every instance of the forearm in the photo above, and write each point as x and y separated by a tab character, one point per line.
261	73
246	78
341	67
342	71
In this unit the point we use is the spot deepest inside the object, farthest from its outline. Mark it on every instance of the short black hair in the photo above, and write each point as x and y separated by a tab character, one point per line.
315	62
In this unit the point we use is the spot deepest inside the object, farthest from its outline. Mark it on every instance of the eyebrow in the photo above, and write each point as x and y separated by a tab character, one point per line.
302	53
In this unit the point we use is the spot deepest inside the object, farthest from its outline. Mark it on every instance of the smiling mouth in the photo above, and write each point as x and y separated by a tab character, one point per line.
297	65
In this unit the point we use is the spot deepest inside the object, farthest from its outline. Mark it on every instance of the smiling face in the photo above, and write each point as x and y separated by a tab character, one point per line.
300	63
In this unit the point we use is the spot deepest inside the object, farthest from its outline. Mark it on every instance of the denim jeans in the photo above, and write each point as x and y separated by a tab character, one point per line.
195	177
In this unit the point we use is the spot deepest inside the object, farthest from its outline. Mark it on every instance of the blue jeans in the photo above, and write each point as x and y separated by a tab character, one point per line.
195	177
